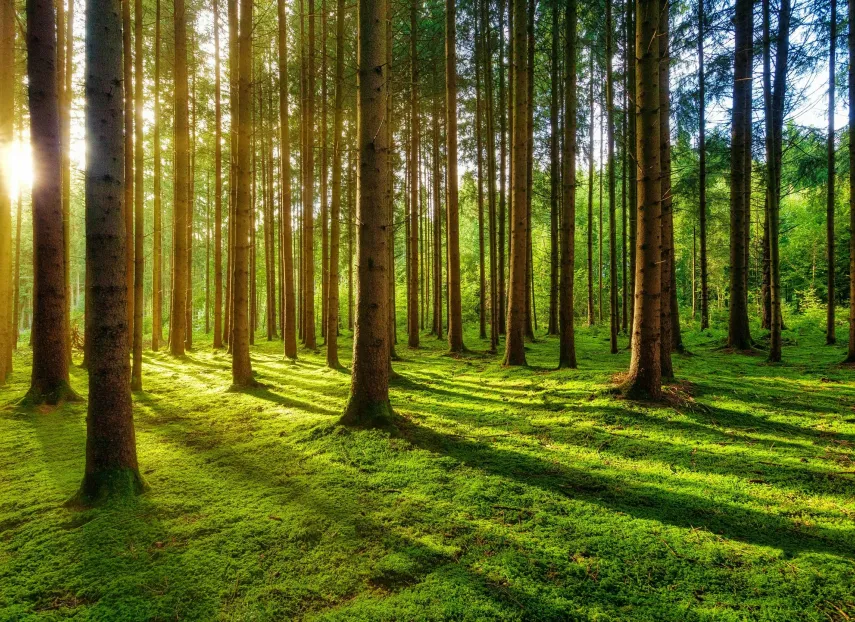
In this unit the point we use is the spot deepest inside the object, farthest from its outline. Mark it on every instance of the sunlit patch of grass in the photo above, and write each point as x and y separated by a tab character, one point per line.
511	494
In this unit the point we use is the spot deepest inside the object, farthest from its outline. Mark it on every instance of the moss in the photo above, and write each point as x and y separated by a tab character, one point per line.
59	394
110	485
506	493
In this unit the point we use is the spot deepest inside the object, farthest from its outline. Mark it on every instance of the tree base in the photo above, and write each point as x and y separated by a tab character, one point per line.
636	389
58	395
110	485
361	413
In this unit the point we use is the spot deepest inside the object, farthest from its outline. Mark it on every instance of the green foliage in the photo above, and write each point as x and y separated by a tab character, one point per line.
512	494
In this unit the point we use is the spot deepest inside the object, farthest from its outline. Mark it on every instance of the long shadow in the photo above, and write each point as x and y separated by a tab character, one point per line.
643	501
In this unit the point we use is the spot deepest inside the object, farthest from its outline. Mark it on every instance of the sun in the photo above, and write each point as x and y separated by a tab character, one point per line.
17	168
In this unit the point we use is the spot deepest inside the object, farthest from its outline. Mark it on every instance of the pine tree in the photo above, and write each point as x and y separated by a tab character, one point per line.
455	313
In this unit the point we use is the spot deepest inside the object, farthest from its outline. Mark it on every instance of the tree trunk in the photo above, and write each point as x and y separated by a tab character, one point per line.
667	239
830	336
369	392
128	64
325	242
491	177
515	341
218	187
567	345
413	229
554	178
309	191
157	241
610	114
335	204
644	378
178	319
632	182
437	229
702	169
111	458
590	230
455	314
479	166
739	334
139	200
232	10
49	382
530	319
191	201
850	356
7	113
504	109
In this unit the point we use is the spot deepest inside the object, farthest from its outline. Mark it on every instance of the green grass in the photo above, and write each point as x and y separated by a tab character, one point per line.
509	494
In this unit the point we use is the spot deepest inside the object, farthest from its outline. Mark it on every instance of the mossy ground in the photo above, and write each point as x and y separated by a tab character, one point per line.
507	494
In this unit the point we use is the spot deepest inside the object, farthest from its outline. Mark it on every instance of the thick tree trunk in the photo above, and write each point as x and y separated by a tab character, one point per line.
455	313
111	459
634	167
515	341
139	200
667	240
178	320
128	65
644	378
504	109
241	365
49	382
567	346
739	334
232	10
554	178
369	391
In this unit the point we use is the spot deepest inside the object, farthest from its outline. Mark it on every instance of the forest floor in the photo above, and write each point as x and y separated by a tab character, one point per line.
508	494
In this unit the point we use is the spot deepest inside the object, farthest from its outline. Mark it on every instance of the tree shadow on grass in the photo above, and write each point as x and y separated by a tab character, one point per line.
647	501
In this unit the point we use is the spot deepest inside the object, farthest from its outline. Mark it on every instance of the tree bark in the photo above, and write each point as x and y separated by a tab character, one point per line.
702	169
515	340
139	200
610	114
111	459
7	113
49	381
830	334
739	333
479	167
850	356
567	344
218	186
667	239
413	230
335	204
644	378
590	228
455	314
309	191
157	233
128	65
554	178
369	392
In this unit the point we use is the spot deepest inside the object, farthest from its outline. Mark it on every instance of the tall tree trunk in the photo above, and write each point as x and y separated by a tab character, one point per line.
157	233
111	457
455	313
479	166
139	200
16	306
335	204
590	230
613	278
644	378
702	169
413	230
567	345
515	341
554	178
128	64
325	242
667	240
178	320
504	109
309	191
289	329
65	132
830	336
191	201
739	334
390	190
49	381
369	391
241	364
850	356
437	228
7	115
632	182
218	186
491	177
530	315
232	10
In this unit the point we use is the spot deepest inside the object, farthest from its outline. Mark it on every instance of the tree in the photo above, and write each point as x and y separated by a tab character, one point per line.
739	333
180	268
369	390
666	264
49	382
7	113
515	341
554	177
157	242
128	76
218	187
850	356
139	199
309	192
590	228
830	337
241	364
289	328
413	230
455	313
702	170
335	203
644	380
610	122
567	345
111	458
